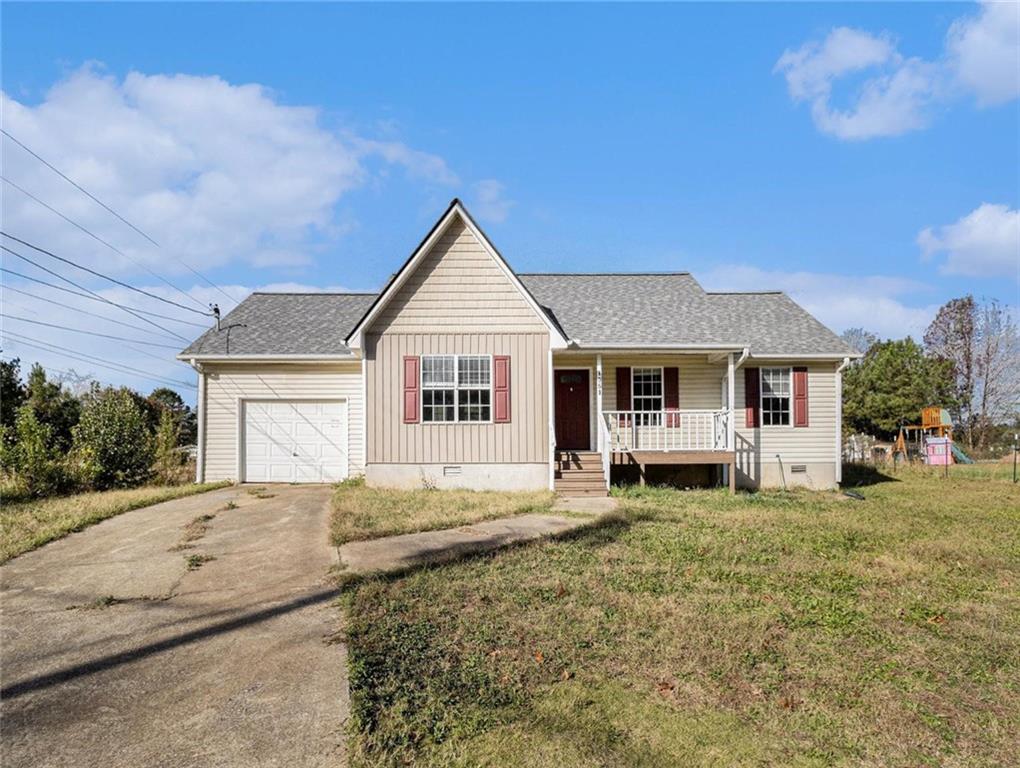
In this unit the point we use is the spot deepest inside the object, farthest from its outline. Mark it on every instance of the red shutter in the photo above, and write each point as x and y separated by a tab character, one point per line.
411	389
752	389
800	403
623	389
671	394
501	388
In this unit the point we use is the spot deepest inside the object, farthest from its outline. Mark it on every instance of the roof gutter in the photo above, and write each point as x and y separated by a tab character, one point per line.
347	357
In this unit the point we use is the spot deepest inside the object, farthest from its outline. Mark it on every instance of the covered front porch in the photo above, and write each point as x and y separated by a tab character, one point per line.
636	411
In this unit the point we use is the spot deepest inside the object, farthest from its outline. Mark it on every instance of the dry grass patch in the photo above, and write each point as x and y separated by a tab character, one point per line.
361	513
26	525
695	628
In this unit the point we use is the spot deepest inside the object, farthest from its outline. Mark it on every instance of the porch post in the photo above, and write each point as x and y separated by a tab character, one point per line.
600	422
730	395
551	438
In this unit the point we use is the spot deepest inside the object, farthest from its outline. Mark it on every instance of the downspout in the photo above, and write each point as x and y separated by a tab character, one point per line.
200	404
839	419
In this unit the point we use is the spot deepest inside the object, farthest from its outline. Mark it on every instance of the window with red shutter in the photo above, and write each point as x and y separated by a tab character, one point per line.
501	388
752	393
800	397
411	389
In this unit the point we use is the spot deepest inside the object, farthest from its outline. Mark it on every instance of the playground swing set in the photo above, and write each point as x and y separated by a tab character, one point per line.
931	440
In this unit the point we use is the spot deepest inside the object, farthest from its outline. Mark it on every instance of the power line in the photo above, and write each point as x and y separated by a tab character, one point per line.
87	296
92	359
93	293
69	374
77	186
98	239
89	333
100	274
92	197
77	309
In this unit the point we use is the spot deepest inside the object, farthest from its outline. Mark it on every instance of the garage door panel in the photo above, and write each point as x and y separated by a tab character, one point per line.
295	441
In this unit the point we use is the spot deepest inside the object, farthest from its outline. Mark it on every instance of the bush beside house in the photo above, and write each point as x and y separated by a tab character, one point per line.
53	441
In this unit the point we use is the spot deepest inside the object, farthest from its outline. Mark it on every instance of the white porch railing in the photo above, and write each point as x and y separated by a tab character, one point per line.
680	430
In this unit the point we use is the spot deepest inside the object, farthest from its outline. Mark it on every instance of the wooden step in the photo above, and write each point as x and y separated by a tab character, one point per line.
587	472
574	493
579	485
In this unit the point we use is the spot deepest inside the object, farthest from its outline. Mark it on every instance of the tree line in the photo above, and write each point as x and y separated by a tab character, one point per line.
54	439
968	363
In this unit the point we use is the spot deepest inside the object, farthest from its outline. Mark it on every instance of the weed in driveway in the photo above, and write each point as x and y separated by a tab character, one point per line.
195	562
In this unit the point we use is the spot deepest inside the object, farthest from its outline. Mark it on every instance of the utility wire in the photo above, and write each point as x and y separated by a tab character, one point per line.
105	277
92	197
89	333
77	186
56	370
93	293
102	362
98	239
93	298
78	309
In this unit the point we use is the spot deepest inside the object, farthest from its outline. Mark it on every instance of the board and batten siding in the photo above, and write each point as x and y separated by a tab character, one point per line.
226	384
524	440
457	287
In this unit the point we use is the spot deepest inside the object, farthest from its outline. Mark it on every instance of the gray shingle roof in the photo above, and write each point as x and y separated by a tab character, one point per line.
643	309
593	309
285	324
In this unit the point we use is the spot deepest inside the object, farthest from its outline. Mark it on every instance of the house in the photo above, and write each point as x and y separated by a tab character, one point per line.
465	373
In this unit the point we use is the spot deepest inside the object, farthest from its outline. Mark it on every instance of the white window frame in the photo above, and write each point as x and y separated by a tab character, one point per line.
457	387
761	395
649	418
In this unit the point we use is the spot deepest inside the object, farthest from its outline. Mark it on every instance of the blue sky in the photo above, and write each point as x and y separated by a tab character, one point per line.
863	157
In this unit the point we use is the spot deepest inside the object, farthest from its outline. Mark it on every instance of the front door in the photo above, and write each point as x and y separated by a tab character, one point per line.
573	410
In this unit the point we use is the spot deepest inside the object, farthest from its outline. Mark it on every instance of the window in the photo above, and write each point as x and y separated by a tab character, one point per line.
646	394
456	388
775	397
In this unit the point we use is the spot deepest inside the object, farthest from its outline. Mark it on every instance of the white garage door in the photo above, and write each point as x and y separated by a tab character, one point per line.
291	441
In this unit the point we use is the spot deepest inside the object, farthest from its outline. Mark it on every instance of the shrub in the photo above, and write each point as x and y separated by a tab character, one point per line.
37	464
168	455
113	433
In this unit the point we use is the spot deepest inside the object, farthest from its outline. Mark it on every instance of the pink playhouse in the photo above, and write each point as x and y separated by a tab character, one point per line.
938	450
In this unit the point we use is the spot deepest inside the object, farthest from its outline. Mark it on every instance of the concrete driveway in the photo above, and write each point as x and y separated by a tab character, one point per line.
234	663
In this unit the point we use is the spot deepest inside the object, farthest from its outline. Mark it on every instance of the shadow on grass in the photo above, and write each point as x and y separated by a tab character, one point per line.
599	532
860	475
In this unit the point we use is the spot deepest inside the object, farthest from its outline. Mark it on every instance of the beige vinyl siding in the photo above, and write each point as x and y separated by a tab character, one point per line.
699	379
815	443
226	384
524	440
458	287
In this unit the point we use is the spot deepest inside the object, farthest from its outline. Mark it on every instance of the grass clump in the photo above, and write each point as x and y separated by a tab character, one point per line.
696	628
360	512
28	524
194	562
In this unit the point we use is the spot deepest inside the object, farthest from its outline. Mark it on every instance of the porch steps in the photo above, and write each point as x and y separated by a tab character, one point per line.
579	473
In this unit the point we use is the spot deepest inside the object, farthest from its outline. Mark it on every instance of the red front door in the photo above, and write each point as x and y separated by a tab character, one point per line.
573	410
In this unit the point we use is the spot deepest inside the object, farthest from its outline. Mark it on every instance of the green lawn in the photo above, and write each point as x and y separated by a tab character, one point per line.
25	525
697	629
361	513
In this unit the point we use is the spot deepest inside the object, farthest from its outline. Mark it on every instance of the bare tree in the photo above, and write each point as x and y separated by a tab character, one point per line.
996	368
980	340
951	336
859	338
75	383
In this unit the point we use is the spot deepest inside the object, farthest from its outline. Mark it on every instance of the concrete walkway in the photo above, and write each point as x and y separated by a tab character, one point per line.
396	553
116	654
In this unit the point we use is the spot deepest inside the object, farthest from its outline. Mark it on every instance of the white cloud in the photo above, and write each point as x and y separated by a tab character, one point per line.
984	52
891	103
874	302
215	172
897	94
984	243
489	202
